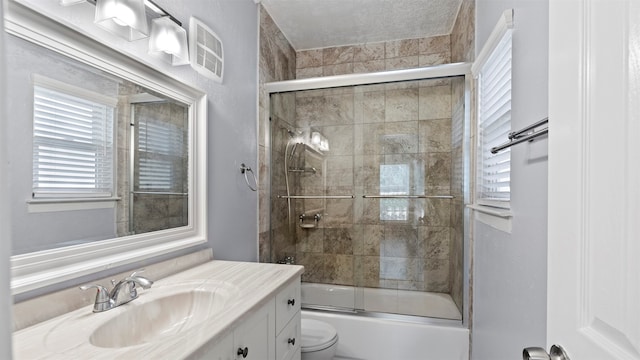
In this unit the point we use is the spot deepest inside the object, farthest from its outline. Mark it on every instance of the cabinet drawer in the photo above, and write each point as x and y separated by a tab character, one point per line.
287	304
289	341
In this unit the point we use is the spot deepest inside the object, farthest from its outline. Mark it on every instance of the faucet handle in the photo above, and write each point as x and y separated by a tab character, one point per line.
103	300
137	272
134	278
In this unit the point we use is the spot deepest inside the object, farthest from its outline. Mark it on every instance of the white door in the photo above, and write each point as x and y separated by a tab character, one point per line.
594	178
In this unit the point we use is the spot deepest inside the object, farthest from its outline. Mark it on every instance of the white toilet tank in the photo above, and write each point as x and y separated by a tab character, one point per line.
319	340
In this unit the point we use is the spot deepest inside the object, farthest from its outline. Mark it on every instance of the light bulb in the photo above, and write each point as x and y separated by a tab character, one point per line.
315	138
125	15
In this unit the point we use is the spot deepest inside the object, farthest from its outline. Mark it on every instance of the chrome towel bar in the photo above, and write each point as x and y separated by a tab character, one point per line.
158	193
316	196
526	134
408	197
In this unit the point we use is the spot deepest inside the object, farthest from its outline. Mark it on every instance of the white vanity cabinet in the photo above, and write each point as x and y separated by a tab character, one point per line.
219	310
254	338
271	333
288	336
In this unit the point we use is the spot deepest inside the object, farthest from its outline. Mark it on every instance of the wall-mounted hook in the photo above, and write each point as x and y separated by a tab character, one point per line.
244	169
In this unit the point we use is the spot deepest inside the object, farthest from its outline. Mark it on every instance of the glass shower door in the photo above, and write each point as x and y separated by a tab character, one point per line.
365	187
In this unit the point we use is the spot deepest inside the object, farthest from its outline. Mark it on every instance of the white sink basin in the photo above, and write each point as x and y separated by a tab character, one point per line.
158	313
167	315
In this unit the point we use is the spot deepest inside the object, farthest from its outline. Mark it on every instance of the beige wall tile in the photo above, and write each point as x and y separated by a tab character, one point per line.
435	135
310	72
337	55
399	63
435	44
368	52
435	102
337	69
368	66
434	59
401	105
309	58
402	48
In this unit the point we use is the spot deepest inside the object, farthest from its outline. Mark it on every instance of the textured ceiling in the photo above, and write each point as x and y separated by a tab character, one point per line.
310	24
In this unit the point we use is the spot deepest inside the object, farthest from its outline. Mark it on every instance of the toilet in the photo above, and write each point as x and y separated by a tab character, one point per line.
319	340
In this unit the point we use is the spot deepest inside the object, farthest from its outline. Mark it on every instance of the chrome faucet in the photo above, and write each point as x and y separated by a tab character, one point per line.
123	291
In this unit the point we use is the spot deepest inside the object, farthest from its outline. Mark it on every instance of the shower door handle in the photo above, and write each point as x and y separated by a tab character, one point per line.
537	353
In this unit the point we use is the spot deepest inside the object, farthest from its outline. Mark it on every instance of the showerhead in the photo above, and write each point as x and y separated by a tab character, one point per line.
292	133
293	151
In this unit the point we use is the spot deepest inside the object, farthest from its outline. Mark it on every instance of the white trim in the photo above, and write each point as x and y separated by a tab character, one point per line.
53	205
52	84
503	213
436	71
496	218
505	23
44	268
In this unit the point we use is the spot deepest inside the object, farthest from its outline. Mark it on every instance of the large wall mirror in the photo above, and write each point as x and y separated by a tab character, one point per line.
107	155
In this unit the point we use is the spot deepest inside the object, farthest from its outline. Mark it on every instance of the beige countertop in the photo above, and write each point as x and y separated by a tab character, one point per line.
247	285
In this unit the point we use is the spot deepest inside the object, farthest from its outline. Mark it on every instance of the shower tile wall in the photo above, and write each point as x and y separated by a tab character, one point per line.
353	251
277	62
396	244
390	55
462	50
152	212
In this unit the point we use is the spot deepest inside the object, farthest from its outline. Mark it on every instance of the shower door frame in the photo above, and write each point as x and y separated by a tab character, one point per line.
422	73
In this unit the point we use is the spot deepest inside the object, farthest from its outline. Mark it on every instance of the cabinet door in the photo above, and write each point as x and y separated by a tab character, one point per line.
288	341
255	338
222	350
287	304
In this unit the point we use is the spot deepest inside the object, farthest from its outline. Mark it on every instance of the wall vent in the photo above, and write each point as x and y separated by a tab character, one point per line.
206	50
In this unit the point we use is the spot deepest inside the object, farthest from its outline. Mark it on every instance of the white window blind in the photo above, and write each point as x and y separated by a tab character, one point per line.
72	143
162	153
494	125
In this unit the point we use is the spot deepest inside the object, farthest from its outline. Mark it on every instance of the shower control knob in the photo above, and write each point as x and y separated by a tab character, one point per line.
292	341
244	352
291	302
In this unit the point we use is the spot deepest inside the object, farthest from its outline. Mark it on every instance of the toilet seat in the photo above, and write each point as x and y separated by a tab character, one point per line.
317	335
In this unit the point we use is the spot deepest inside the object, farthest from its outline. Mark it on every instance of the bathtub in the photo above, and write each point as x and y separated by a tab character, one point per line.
388	337
417	303
368	338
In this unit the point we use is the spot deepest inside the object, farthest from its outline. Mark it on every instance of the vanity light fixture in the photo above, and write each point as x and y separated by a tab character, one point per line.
128	19
169	40
125	18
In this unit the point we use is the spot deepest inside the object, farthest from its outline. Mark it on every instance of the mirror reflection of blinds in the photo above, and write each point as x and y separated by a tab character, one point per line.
161	152
72	145
494	124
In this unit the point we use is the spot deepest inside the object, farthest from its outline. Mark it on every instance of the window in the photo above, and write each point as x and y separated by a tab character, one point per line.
493	176
72	142
394	180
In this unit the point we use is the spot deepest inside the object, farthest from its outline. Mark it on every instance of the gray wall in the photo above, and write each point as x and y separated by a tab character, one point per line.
509	287
5	243
232	112
232	122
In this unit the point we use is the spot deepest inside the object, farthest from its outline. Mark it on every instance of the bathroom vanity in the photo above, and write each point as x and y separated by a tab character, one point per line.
218	310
